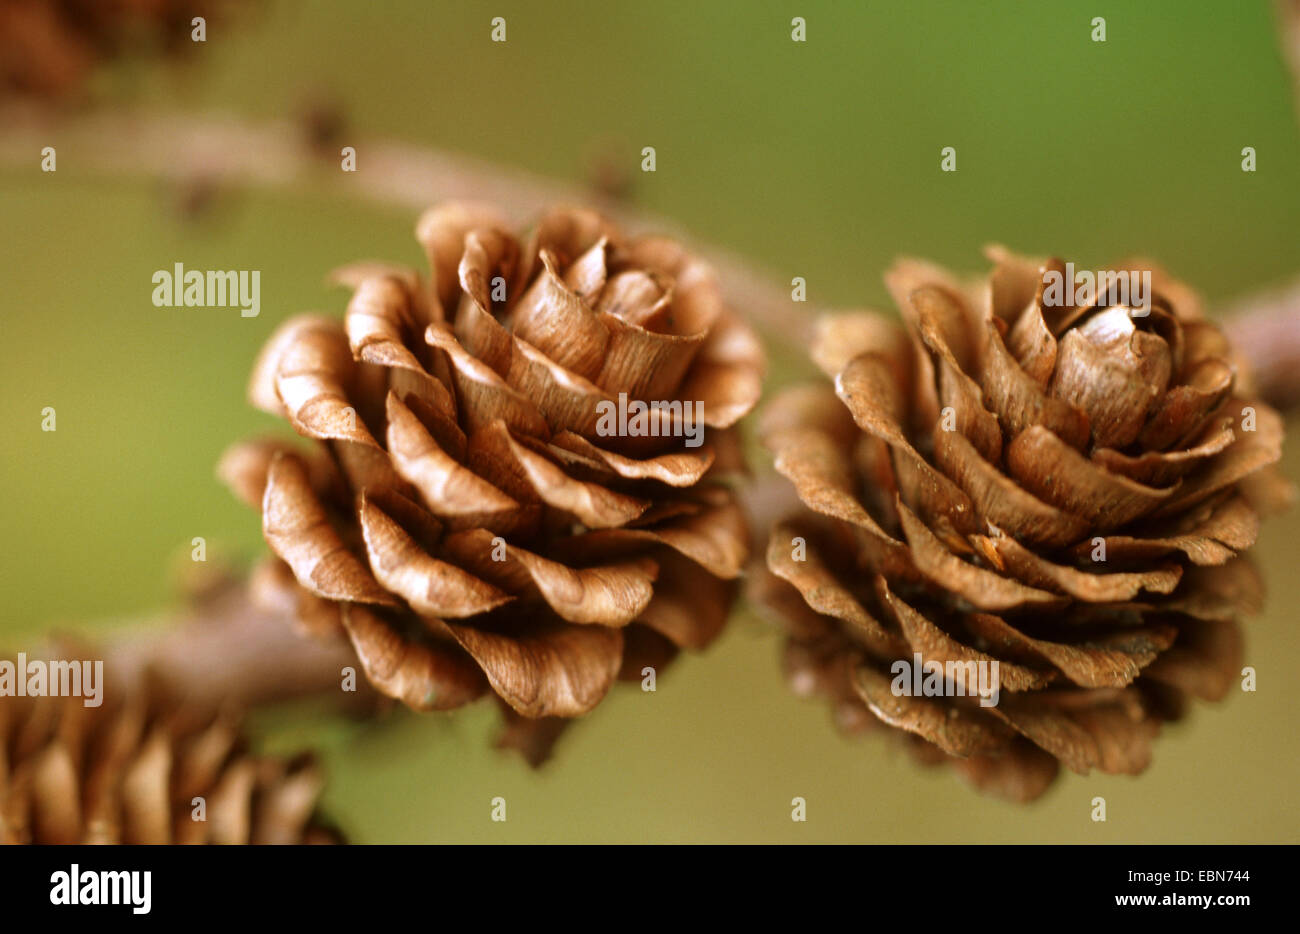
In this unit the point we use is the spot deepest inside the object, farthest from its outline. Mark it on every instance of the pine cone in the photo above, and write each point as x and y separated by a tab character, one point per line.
128	771
1064	490
49	47
466	515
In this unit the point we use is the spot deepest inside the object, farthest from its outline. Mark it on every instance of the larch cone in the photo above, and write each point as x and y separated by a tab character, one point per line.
470	514
146	767
1066	489
50	48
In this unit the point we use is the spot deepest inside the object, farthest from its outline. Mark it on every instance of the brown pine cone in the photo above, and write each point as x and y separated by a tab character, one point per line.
466	515
1064	490
49	47
128	771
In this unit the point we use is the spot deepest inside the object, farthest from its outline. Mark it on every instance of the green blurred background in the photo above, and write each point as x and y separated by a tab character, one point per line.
818	159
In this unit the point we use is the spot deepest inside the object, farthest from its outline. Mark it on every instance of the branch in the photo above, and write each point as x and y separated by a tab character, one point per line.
226	648
1265	328
280	155
1288	22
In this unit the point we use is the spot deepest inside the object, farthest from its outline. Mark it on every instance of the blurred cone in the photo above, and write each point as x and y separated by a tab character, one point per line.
143	767
48	48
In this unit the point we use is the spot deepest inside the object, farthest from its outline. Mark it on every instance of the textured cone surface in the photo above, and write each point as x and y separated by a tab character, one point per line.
129	771
1066	490
471	514
49	47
